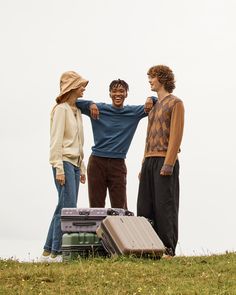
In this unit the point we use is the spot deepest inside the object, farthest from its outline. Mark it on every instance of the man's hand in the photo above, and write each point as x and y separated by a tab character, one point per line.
139	175
60	178
83	178
166	170
94	111
148	105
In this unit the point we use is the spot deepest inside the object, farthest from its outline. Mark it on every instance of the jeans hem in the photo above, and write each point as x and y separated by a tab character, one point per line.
56	252
47	248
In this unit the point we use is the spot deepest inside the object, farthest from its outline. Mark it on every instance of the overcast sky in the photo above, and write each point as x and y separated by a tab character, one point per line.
105	40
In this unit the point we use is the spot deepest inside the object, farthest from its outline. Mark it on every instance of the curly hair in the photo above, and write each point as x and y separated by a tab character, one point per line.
164	75
118	82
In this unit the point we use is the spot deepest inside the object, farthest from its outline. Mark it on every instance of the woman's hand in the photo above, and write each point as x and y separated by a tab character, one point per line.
83	178
94	111
60	178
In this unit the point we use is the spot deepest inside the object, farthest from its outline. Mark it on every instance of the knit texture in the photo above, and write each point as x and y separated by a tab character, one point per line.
114	130
165	129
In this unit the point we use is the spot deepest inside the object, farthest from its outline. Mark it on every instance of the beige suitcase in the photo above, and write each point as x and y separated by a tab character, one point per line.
127	235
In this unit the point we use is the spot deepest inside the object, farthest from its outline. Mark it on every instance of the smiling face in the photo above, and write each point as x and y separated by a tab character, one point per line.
80	90
154	83
118	94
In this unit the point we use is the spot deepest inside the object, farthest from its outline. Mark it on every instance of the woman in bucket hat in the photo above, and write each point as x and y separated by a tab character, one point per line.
66	156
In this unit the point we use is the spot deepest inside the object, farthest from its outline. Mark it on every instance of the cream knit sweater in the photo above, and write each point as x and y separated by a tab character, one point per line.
66	138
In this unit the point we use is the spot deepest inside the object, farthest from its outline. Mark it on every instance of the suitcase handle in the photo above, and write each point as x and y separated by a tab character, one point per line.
111	211
84	213
84	223
129	213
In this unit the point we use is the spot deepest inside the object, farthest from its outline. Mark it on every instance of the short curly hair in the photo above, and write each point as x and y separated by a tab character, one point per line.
164	75
118	82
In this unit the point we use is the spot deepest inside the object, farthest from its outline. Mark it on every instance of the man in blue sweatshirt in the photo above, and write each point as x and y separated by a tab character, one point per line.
113	132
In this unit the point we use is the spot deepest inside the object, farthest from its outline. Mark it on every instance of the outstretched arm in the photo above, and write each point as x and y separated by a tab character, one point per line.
88	107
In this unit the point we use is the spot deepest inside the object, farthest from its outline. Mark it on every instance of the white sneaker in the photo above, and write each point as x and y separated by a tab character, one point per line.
44	259
58	258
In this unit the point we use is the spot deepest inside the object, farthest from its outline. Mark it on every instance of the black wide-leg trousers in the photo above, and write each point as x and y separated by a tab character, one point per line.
158	200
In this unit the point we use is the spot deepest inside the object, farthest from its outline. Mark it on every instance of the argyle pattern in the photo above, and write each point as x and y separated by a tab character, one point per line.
159	120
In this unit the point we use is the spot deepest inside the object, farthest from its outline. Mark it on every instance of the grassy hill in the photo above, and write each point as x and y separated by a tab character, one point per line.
214	274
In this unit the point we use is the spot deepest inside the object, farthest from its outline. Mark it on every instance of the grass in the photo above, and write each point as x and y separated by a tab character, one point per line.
215	274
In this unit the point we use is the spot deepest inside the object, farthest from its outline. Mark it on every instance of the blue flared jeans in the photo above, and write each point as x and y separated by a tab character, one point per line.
67	198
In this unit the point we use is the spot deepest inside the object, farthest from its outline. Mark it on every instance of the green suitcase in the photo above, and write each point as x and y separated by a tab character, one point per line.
81	245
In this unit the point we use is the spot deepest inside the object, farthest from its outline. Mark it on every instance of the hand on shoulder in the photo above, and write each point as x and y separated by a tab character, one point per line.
94	111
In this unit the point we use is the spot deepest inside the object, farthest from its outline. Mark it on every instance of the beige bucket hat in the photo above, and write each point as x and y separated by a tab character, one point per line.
70	80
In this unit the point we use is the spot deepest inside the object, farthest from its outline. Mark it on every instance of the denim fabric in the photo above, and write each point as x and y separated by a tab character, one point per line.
67	198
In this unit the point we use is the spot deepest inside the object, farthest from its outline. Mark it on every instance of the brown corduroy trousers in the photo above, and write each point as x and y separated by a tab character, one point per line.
107	173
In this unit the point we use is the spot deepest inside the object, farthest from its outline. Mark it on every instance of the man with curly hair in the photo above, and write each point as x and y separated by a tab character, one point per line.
158	196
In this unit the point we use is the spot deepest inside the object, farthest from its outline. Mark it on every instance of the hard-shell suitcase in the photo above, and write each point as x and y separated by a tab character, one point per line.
81	245
87	219
123	235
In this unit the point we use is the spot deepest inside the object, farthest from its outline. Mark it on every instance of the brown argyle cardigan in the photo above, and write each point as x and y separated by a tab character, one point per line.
165	129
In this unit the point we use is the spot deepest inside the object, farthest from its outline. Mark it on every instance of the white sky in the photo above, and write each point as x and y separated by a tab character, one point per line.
105	40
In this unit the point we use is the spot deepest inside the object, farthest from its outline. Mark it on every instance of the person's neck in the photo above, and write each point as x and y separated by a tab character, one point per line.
71	100
162	93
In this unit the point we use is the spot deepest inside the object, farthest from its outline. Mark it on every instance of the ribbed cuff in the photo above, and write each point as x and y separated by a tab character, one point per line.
60	171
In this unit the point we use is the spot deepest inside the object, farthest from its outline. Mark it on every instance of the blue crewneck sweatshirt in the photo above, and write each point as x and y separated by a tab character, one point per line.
115	128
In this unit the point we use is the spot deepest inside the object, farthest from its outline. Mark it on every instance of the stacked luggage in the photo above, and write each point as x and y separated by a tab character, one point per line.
91	232
79	226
